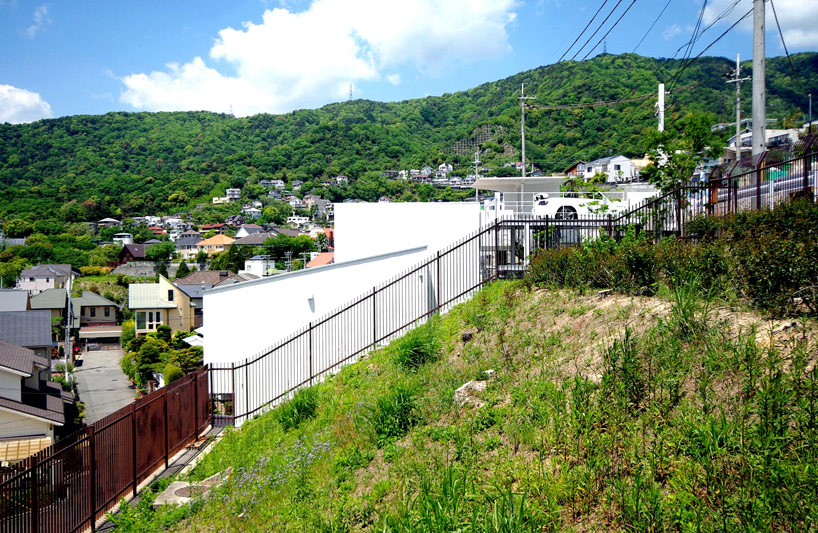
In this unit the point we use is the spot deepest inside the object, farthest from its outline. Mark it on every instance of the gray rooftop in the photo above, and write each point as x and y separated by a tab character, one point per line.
43	271
26	328
49	299
14	300
18	358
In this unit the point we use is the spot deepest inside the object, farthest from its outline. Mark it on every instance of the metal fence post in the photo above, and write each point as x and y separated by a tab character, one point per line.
165	410
497	248
437	261
374	323
34	504
610	227
758	183
311	376
92	498
679	210
233	389
195	406
133	447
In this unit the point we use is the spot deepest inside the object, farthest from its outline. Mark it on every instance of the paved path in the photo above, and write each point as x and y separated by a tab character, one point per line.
101	384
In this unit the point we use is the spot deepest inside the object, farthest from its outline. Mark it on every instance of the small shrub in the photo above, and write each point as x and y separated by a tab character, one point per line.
172	373
301	407
419	346
394	414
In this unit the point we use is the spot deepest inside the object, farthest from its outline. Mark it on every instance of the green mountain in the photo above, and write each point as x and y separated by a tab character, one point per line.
135	163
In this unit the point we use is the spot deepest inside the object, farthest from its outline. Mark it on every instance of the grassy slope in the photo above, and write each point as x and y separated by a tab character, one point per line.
584	427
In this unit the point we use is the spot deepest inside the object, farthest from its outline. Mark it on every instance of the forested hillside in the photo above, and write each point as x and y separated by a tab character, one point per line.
86	167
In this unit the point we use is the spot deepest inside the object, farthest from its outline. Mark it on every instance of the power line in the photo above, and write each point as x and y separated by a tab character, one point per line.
720	37
609	30
583	31
689	50
596	31
651	26
787	52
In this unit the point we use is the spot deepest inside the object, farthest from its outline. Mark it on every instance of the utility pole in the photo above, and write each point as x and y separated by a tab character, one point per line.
69	314
523	98
660	105
759	83
737	79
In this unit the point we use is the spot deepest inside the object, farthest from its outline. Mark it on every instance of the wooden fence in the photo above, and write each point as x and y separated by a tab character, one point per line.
70	485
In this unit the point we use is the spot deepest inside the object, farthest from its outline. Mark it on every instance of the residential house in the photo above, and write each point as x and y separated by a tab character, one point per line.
194	285
156	304
426	170
296	203
121	239
384	199
186	247
275	230
443	170
389	174
324	258
252	212
455	181
403	174
31	405
14	300
279	184
342	180
29	329
235	221
133	252
254	239
617	169
215	244
310	200
91	309
174	234
218	228
296	220
248	229
55	301
781	139
576	170
274	194
267	184
218	200
440	180
233	195
41	277
297	184
109	223
422	178
260	265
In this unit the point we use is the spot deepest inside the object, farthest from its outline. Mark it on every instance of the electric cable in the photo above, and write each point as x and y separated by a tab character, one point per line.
787	52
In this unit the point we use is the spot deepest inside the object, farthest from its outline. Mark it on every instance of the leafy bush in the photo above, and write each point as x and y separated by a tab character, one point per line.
95	270
394	414
419	346
766	256
128	333
300	408
172	373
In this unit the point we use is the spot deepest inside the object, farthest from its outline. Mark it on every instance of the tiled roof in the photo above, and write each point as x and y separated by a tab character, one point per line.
147	296
188	240
137	251
26	328
324	258
46	406
14	300
43	271
209	277
256	239
49	299
90	298
16	357
286	231
216	240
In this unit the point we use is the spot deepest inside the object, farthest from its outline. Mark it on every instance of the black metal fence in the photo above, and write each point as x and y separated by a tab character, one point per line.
501	250
70	485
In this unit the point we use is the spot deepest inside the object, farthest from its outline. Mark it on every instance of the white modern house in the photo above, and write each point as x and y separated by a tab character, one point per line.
121	239
616	168
41	277
260	266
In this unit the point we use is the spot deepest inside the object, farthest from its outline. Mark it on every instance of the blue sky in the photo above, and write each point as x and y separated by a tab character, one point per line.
256	56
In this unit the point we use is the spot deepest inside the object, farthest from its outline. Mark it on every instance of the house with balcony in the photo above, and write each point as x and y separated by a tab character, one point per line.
617	169
41	277
161	303
31	406
234	195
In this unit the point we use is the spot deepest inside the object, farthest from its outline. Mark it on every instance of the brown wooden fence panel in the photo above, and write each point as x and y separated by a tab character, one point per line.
181	412
150	425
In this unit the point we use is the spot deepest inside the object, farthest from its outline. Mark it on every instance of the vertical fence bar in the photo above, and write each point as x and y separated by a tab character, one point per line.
758	184
133	447
247	387
374	322
33	482
165	411
311	376
437	261
92	499
195	406
497	248
233	394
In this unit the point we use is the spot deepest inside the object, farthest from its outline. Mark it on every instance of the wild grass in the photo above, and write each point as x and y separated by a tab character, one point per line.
686	425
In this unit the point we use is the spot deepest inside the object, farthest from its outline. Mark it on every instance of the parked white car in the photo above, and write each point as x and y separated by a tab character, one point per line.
571	205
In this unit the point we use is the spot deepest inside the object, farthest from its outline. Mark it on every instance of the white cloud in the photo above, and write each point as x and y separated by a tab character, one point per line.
394	79
41	21
19	105
798	19
671	32
307	58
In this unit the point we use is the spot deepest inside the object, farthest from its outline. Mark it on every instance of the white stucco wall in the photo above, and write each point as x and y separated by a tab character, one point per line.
16	425
11	386
367	229
245	319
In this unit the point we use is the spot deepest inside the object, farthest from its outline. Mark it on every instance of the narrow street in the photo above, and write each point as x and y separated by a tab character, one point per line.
101	385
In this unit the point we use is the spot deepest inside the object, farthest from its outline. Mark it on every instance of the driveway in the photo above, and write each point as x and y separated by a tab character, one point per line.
101	384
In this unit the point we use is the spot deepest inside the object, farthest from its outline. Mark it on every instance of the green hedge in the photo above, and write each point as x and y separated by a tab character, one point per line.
765	256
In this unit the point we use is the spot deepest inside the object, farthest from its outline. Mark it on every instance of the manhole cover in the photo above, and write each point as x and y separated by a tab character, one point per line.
189	492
